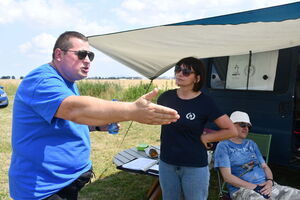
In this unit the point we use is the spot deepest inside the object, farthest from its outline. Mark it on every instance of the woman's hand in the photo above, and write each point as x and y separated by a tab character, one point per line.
204	140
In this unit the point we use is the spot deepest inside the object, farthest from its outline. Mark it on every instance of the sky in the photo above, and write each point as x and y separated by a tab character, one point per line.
29	28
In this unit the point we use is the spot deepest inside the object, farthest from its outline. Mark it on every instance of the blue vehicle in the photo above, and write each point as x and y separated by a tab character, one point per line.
3	98
267	86
252	60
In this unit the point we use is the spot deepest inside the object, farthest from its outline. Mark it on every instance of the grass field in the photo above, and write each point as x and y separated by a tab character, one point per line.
109	182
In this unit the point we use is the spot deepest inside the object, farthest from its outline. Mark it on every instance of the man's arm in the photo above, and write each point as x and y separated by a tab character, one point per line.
268	172
94	111
227	130
234	180
267	186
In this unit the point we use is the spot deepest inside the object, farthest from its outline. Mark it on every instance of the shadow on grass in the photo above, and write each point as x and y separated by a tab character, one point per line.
127	186
119	186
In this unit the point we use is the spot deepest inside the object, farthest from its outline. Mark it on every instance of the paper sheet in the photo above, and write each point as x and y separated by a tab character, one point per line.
141	164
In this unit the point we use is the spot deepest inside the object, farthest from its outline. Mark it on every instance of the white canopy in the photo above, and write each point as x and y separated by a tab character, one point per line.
152	51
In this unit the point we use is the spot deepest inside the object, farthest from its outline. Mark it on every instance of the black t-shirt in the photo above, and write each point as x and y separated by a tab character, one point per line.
180	141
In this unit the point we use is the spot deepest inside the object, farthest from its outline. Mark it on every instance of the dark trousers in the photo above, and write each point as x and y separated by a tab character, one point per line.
71	191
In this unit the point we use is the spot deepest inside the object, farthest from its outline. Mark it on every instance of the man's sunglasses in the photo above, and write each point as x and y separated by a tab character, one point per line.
244	125
185	71
83	53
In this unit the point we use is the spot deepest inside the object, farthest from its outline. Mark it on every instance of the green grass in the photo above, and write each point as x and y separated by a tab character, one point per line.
101	90
109	90
109	182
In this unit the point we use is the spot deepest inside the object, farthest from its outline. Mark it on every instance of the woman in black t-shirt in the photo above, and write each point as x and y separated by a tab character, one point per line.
183	167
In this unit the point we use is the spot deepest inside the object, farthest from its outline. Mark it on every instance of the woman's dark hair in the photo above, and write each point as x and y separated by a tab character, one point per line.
63	41
198	68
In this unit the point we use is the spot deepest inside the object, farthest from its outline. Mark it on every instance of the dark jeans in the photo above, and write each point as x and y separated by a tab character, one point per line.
71	191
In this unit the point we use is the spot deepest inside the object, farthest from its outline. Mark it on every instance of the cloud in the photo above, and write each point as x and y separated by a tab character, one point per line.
42	12
9	11
133	5
76	15
25	47
158	12
40	44
89	28
44	42
52	15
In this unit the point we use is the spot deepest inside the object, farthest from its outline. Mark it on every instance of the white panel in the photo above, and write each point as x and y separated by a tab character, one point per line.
236	76
261	72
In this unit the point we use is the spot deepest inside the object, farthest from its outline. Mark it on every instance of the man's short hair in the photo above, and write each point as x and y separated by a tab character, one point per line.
63	41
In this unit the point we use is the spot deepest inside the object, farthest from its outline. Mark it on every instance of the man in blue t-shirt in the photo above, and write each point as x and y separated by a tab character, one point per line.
50	132
244	169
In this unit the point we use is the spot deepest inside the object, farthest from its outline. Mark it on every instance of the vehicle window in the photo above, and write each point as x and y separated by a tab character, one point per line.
245	72
219	71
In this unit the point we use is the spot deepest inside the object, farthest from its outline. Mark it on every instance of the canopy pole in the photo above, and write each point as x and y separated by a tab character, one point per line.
149	85
132	121
249	65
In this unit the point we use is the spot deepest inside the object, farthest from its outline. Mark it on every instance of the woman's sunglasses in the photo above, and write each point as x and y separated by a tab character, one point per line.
185	71
244	125
83	53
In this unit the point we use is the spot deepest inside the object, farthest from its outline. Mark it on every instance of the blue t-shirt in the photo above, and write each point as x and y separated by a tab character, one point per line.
244	159
180	141
48	153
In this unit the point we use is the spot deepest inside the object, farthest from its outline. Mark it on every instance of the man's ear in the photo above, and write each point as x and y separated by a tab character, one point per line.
58	54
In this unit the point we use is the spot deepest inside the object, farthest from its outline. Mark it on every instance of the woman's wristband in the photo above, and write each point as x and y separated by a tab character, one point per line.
269	179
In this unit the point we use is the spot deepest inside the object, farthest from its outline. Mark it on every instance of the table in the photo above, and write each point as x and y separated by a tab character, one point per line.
131	154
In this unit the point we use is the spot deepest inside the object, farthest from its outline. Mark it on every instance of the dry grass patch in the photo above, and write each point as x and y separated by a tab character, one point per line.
160	83
5	147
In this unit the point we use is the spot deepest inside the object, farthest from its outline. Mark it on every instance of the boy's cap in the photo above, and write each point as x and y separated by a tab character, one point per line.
239	116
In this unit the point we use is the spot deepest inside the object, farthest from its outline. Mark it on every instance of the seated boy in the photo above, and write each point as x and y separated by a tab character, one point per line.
244	169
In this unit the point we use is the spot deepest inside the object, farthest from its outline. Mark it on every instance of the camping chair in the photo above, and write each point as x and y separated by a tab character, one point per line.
263	142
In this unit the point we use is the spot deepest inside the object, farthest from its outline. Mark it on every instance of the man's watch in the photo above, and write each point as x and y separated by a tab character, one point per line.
269	179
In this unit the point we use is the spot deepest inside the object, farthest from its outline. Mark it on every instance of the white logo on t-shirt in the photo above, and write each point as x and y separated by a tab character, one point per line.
190	116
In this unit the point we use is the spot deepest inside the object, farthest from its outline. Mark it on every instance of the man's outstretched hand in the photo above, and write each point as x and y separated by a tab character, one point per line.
147	112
